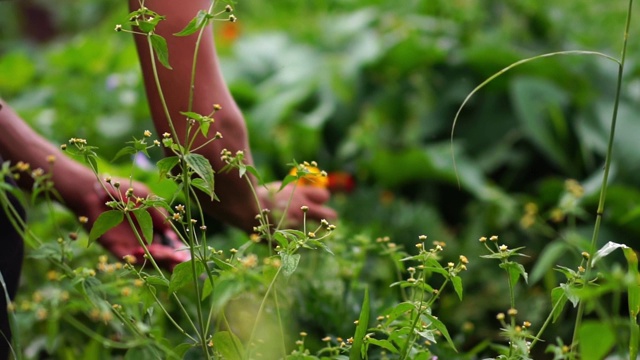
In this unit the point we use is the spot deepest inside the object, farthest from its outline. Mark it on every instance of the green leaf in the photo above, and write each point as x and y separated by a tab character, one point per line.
547	259
203	186
515	270
385	344
202	167
539	104
252	170
400	309
181	349
127	150
281	239
634	286
166	165
159	45
228	345
199	21
191	115
357	350
145	222
287	180
570	293
183	274
633	291
105	222
289	263
595	340
457	285
157	280
442	328
558	299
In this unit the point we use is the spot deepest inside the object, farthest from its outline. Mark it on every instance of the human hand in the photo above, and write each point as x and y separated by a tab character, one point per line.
312	197
121	240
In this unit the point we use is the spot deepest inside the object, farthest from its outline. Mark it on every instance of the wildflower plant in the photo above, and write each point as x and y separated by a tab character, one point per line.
129	297
582	284
232	303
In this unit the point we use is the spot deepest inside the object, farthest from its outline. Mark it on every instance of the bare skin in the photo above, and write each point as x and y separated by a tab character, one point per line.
79	187
236	206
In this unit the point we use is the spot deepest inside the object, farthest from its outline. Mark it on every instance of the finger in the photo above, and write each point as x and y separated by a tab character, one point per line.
321	212
315	194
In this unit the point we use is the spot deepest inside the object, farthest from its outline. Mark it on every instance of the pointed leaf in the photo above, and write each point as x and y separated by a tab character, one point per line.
443	329
159	45
203	186
515	270
634	302
361	330
183	274
127	150
385	344
287	180
228	345
289	263
558	300
457	285
570	293
195	24
157	280
146	224
166	165
105	222
202	167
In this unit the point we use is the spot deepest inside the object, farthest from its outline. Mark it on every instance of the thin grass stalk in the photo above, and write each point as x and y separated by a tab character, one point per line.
607	167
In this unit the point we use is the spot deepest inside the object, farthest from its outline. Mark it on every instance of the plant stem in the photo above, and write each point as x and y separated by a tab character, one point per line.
261	309
607	167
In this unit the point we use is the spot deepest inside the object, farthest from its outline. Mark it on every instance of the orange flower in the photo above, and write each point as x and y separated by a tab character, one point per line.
313	178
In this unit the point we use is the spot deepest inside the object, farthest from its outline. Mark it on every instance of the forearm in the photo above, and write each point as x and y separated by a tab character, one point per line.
237	205
18	142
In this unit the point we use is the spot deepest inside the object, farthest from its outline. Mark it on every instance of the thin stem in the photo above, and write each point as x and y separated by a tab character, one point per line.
192	85
261	309
163	101
186	179
607	167
546	323
286	208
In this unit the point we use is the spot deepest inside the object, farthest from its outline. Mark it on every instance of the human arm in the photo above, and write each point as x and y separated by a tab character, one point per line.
237	205
77	185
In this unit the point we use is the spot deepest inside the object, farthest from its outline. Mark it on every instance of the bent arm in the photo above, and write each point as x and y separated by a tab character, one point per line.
237	205
18	142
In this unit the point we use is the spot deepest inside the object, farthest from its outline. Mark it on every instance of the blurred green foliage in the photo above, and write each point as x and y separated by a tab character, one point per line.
371	87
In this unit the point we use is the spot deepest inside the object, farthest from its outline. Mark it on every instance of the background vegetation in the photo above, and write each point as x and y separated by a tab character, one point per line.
369	88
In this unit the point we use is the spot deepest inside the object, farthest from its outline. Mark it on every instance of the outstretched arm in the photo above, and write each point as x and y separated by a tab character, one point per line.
236	205
77	185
